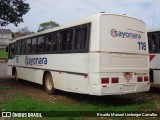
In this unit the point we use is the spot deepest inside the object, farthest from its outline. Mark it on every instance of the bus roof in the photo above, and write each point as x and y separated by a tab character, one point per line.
81	21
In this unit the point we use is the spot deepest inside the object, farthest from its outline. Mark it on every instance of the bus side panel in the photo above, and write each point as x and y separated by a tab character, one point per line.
154	62
70	82
11	63
77	83
156	74
59	80
9	70
94	62
155	68
76	63
32	75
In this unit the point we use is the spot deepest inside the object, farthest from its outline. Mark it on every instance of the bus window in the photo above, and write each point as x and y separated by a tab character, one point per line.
81	38
57	41
149	43
54	42
11	50
78	39
34	45
84	37
23	46
154	43
67	40
18	50
48	39
40	44
28	46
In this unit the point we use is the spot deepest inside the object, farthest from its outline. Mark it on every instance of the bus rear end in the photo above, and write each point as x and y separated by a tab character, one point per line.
123	57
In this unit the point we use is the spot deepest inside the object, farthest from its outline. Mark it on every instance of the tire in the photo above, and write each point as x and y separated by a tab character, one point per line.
15	76
49	86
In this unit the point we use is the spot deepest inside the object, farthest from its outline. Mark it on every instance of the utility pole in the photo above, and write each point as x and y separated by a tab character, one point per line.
2	33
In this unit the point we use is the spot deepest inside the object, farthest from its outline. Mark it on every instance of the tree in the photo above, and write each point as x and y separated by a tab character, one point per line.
24	30
12	11
47	25
21	32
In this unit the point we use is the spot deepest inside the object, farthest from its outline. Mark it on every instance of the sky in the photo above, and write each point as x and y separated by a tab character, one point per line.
65	11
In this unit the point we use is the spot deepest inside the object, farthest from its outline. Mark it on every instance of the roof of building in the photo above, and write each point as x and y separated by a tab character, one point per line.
5	31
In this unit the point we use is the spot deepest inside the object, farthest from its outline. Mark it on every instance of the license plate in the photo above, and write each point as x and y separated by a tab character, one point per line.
128	76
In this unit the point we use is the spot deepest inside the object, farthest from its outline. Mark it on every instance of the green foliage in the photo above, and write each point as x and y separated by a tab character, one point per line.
3	54
11	11
4	88
47	25
26	103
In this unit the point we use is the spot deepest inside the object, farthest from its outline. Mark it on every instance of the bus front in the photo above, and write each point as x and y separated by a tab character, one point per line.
121	63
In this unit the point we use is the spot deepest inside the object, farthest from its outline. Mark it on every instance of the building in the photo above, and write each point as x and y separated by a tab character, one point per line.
20	34
5	36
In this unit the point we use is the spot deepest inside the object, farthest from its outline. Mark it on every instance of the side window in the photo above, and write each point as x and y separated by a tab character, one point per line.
23	46
28	46
67	39
57	41
149	43
47	39
153	41
84	37
18	50
34	45
78	38
11	50
40	47
153	38
54	42
81	38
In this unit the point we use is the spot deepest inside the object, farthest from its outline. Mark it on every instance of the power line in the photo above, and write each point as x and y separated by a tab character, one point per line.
155	1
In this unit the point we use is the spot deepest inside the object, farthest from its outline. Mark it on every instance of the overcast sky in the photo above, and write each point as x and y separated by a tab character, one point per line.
64	11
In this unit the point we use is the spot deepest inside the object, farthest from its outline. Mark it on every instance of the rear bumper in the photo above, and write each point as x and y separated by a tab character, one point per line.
118	89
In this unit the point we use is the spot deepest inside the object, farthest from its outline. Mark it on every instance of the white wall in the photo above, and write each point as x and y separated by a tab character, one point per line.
5	38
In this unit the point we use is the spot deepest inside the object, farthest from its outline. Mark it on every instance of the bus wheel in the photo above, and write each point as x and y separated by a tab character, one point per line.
49	86
15	75
16	78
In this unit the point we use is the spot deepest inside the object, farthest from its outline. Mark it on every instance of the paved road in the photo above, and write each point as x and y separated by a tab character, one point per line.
3	69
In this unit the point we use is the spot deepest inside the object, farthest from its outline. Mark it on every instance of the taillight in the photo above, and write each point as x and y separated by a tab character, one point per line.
139	79
104	80
115	80
146	78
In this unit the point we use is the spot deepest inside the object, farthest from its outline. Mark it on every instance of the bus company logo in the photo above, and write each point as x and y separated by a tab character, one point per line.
35	61
116	33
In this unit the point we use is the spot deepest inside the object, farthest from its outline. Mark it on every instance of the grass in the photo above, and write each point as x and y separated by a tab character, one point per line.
20	102
3	54
4	88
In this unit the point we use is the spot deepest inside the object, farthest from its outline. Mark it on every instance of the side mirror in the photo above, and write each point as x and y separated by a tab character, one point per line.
7	49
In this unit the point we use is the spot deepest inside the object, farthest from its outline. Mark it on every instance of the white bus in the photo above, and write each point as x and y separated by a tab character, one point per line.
102	54
154	50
